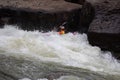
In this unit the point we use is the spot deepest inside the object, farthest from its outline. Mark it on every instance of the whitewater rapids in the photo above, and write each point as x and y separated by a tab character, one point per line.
69	49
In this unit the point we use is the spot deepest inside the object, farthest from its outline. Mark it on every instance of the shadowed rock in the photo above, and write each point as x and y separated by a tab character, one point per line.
39	5
86	15
104	31
39	14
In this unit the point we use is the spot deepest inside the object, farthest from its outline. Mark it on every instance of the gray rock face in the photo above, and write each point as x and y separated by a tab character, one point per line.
40	5
86	15
107	19
104	31
39	14
46	15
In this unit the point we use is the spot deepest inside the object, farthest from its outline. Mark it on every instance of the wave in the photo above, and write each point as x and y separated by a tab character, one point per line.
68	49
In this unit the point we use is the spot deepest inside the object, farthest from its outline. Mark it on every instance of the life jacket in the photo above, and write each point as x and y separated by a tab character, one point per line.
61	32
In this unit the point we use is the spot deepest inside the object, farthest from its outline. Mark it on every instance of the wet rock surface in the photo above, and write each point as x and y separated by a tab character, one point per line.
86	15
39	5
104	31
107	42
39	14
47	15
107	19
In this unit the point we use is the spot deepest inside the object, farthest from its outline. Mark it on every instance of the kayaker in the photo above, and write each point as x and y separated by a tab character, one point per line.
62	30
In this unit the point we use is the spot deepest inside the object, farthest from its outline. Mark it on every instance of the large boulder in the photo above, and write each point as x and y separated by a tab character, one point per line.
86	15
39	14
104	31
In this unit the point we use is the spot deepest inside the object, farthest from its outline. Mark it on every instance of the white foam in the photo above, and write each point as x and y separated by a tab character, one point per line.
25	79
68	49
61	78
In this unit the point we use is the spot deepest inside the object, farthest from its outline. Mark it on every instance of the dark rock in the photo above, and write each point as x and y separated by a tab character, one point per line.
40	5
39	14
104	31
86	15
47	15
76	1
105	41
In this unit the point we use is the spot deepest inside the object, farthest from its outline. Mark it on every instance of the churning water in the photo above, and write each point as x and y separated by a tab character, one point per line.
72	50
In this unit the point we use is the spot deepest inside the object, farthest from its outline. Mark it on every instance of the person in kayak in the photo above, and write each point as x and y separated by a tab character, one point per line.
62	30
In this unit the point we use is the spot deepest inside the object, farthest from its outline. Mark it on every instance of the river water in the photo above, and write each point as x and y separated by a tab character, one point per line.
72	53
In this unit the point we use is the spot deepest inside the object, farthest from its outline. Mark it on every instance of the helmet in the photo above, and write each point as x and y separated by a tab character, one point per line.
62	27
